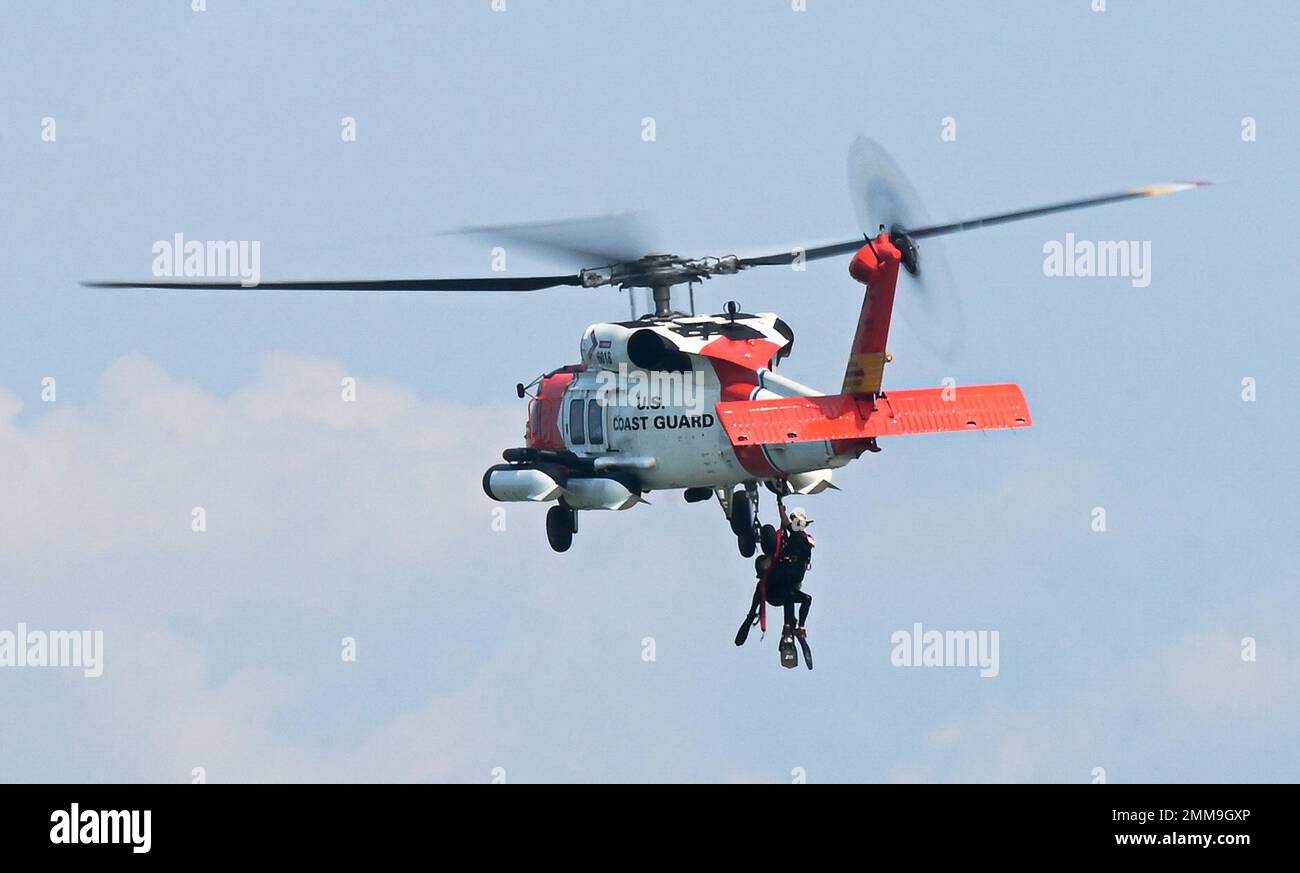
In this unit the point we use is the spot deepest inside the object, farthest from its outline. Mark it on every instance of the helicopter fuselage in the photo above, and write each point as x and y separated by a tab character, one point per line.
695	403
640	411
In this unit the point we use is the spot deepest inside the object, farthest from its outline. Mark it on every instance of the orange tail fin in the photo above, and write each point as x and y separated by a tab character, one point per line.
876	266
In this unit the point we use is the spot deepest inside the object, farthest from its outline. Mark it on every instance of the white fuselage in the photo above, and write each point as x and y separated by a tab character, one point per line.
667	431
640	414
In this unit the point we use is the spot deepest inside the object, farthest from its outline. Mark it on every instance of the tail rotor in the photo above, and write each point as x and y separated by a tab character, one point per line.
883	196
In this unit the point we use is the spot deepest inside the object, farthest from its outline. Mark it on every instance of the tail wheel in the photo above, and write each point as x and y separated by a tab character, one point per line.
747	543
560	525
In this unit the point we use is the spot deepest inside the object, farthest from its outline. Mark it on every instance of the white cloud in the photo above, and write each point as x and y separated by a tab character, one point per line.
173	717
283	457
1194	684
213	641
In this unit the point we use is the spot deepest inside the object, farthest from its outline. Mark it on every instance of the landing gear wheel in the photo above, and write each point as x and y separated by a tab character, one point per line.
560	524
742	512
742	523
747	543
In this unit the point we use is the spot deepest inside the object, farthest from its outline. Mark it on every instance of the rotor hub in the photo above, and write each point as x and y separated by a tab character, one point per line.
909	252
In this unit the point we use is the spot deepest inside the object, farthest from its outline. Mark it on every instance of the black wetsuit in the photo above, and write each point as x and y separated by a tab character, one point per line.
786	578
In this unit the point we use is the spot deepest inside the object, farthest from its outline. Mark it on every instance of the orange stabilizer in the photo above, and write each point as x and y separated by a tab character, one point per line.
853	417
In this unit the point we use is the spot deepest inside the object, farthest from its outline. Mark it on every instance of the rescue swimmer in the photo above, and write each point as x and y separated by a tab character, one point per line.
787	556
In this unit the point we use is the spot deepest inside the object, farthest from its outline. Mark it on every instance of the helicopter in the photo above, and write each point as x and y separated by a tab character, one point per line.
671	400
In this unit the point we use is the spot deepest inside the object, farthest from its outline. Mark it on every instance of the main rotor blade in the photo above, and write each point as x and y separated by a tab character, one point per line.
518	283
595	241
827	251
812	254
1004	217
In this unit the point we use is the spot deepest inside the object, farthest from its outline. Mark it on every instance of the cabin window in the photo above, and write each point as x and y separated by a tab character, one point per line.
575	423
595	422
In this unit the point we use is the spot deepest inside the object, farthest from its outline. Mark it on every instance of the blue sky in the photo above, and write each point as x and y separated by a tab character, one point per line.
480	649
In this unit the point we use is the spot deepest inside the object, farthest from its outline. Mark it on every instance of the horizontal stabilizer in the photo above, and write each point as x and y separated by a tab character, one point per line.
859	416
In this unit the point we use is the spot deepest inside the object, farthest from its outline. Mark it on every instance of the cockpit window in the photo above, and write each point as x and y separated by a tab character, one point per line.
575	423
595	422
